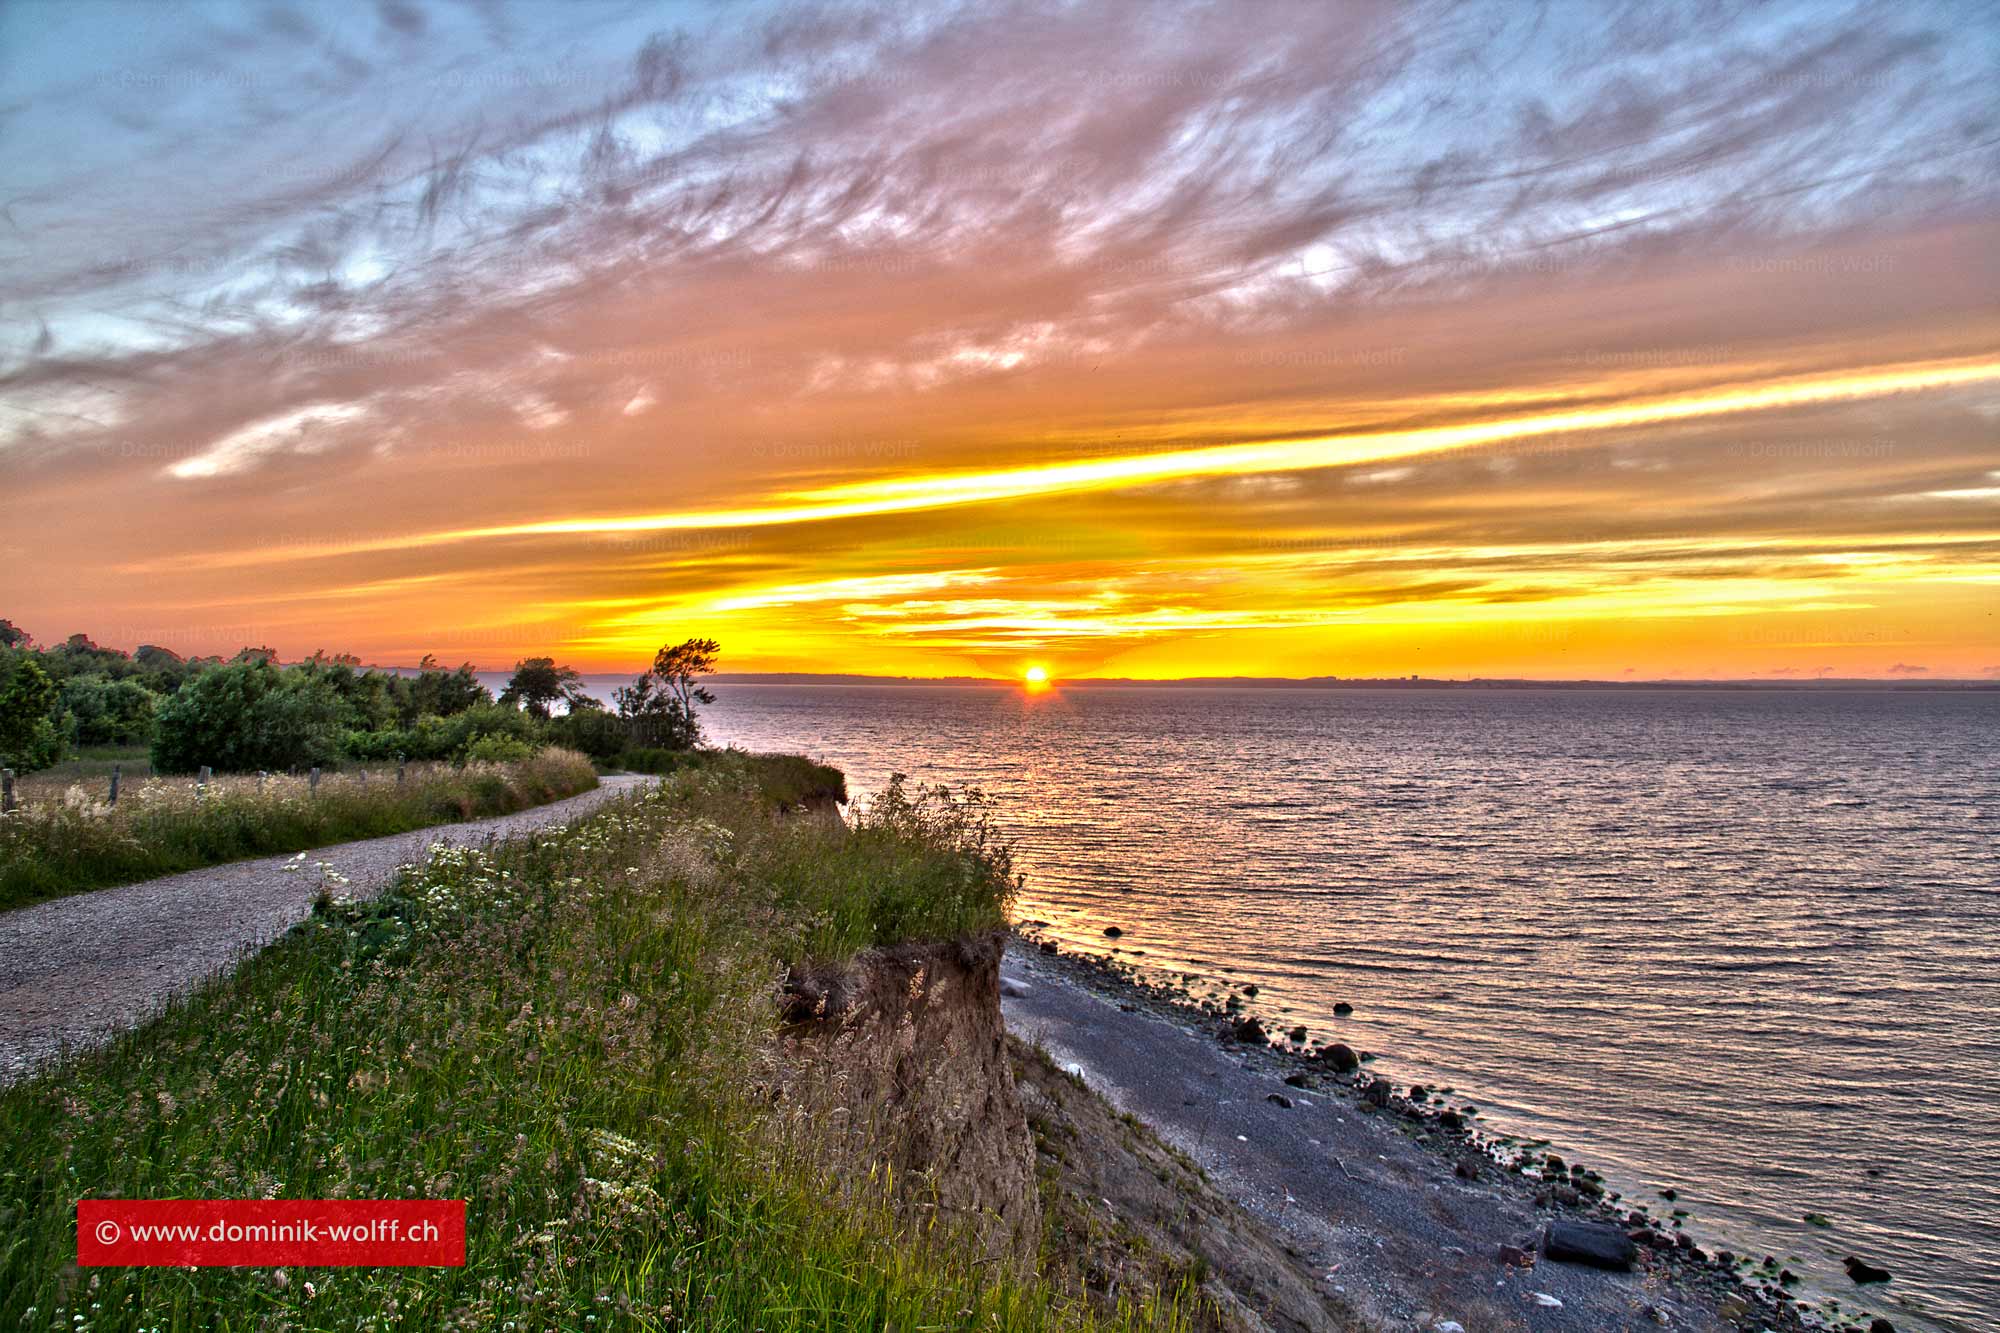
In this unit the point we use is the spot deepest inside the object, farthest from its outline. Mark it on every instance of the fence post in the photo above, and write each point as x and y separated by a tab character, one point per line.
363	775
399	770
114	783
312	780
260	782
6	791
201	783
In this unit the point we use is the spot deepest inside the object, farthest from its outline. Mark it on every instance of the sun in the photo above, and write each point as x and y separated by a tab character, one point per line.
1036	677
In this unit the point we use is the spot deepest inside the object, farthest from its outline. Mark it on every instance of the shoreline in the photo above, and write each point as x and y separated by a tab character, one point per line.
1521	1178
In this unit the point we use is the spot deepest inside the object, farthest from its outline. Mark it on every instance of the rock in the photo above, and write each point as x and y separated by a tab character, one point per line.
1112	932
1466	1169
1591	1243
1343	1008
1555	1164
1299	1034
1378	1093
1449	1326
1881	1326
1009	986
1517	1256
1419	1093
1297	1081
1451	1119
1249	1030
1864	1272
1251	991
1047	946
1278	1099
1566	1196
1341	1056
1546	1301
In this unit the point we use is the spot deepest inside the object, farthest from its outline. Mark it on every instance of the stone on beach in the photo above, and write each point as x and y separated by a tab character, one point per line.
1341	1056
1591	1243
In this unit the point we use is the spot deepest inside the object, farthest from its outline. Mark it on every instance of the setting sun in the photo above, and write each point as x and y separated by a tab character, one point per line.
1036	677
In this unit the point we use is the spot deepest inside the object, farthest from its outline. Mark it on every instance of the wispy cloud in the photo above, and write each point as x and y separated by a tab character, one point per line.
583	304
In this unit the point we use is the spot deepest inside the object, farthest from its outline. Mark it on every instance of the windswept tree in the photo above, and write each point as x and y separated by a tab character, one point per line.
539	683
661	705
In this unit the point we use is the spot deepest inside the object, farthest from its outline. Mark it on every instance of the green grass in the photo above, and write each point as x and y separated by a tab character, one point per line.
789	779
565	1031
69	842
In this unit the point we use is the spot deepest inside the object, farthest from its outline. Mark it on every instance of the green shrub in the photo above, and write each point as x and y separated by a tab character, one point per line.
29	737
108	711
590	731
498	749
248	716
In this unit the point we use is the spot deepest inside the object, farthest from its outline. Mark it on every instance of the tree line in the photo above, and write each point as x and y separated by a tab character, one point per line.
250	712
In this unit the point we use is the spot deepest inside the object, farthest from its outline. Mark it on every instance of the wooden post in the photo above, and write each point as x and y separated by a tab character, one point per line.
260	781
364	775
6	791
201	783
312	780
114	783
399	770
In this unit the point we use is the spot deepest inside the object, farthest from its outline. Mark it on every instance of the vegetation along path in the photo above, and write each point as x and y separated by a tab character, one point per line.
78	970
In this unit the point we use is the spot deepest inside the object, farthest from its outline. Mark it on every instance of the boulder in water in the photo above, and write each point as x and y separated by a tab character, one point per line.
1864	1272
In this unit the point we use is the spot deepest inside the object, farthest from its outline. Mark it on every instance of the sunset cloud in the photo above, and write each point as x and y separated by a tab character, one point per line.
1367	337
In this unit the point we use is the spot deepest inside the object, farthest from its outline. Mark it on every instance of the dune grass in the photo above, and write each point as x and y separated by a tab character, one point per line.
561	1030
73	841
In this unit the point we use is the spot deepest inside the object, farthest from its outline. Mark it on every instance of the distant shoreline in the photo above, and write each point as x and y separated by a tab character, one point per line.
1354	683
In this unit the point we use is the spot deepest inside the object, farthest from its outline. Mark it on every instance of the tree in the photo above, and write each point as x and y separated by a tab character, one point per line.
661	704
436	692
107	711
29	737
246	716
13	636
538	682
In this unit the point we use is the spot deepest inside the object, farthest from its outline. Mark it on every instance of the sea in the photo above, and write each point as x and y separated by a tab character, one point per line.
1739	945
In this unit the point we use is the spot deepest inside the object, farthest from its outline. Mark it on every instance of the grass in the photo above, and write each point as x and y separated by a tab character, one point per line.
564	1031
790	779
71	841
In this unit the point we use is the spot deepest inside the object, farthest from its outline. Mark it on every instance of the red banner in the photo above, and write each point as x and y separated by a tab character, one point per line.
264	1233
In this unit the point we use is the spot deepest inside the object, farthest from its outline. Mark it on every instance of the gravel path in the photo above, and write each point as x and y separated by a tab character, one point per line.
80	969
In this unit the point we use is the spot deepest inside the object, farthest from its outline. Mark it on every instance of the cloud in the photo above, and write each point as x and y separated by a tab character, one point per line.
783	297
1906	669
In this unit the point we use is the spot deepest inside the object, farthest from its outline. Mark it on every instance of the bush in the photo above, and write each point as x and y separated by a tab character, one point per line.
248	716
109	712
28	736
498	749
589	731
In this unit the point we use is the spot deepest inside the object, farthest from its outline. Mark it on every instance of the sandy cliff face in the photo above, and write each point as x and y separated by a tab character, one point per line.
898	1065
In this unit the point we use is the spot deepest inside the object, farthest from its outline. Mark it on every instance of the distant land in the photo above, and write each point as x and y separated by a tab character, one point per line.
1307	682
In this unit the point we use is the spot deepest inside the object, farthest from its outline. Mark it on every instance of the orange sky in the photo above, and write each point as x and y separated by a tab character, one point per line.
1290	352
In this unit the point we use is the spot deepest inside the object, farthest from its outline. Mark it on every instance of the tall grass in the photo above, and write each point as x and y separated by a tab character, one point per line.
561	1030
76	841
789	779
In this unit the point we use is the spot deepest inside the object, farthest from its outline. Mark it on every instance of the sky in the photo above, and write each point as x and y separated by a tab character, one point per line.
1129	338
